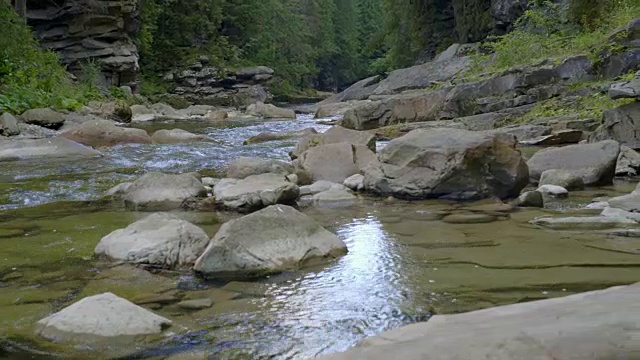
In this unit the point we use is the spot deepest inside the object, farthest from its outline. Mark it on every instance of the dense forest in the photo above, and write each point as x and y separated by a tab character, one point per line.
321	44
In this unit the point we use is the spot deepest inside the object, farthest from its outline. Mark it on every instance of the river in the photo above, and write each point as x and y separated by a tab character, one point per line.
403	265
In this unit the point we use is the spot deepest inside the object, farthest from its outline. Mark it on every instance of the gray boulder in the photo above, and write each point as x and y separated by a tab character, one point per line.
449	163
244	167
339	108
255	192
43	117
270	111
334	135
8	125
355	182
530	199
565	179
334	197
160	192
161	239
54	148
620	124
100	133
626	89
628	162
582	326
594	163
271	240
335	162
554	191
175	136
100	316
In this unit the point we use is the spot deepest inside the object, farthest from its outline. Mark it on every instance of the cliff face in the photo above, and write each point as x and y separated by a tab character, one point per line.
99	31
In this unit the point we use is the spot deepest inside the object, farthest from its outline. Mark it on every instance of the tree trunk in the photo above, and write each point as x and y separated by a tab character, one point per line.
21	8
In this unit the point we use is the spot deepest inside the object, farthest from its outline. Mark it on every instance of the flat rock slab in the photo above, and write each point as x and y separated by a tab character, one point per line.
597	325
56	148
255	192
104	315
160	192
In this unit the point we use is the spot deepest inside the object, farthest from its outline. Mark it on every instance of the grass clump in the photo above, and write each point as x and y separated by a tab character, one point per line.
31	77
548	31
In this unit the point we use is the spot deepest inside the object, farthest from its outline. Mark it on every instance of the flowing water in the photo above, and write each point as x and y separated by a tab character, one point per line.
403	265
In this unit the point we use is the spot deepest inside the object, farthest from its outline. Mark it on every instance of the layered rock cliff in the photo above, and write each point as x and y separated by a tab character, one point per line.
98	31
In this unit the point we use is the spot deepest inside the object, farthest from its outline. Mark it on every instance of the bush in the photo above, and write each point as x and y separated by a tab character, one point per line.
545	31
31	77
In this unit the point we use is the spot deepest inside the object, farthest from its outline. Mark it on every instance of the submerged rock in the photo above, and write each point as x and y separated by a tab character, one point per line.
594	163
584	222
255	192
175	136
244	167
105	316
161	239
270	111
449	163
334	197
272	136
159	192
105	133
593	325
320	186
55	148
629	202
271	240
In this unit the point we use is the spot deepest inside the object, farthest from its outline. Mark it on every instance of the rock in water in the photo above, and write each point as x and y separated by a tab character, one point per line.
105	133
175	136
159	192
56	148
104	315
562	178
244	167
160	239
270	111
271	240
593	325
255	192
594	163
530	199
553	190
448	163
8	125
335	162
43	117
336	134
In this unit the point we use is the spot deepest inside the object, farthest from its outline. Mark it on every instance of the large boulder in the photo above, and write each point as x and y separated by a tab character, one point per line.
8	125
270	111
255	192
100	316
628	162
55	148
620	124
244	167
335	162
562	178
271	240
161	239
105	133
335	109
336	134
626	89
450	163
594	163
361	90
159	192
594	325
43	117
175	136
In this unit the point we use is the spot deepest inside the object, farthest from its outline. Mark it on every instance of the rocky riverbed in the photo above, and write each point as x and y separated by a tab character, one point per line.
406	260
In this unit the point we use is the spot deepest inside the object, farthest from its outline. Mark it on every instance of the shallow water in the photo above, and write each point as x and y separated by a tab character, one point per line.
403	263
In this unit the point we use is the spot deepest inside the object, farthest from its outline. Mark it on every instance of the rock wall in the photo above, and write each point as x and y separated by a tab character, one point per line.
207	85
97	31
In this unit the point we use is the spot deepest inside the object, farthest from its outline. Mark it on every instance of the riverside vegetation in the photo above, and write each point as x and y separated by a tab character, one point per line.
464	168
